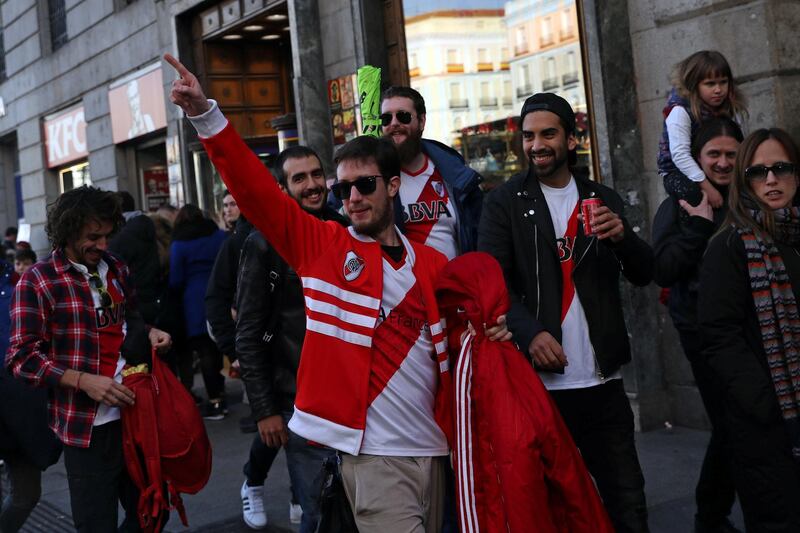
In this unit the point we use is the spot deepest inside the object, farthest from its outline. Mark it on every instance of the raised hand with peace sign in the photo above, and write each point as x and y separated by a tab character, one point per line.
186	91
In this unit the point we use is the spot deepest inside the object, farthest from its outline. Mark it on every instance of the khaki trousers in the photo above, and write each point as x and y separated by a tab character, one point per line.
395	494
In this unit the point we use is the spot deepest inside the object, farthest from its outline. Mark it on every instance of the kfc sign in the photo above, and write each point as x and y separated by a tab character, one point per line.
65	137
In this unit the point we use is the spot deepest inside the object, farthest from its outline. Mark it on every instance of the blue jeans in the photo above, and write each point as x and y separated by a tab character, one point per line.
305	471
304	462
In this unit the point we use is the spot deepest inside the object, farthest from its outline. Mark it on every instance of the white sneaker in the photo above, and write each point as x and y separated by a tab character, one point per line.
253	507
295	513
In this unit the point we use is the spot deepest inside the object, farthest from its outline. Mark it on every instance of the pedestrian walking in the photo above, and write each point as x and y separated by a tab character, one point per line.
566	314
269	337
439	203
750	328
678	247
374	379
196	241
72	316
135	243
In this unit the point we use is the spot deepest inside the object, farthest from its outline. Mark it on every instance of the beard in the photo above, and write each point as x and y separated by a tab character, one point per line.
410	148
550	169
382	220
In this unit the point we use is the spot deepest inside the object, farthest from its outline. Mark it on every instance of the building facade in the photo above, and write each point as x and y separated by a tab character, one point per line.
84	90
459	61
543	35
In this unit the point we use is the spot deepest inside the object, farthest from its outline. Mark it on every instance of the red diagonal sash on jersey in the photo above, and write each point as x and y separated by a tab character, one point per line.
424	213
566	246
393	340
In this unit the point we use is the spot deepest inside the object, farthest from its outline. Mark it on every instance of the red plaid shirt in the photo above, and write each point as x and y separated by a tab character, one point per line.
53	328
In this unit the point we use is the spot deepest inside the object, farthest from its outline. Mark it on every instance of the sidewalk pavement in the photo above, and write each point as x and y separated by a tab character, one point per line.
670	459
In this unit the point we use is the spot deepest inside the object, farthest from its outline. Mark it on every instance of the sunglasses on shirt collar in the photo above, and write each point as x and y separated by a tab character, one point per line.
364	185
403	117
97	284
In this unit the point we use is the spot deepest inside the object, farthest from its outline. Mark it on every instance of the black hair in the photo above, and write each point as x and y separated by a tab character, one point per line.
713	128
128	203
406	92
25	254
188	215
67	216
368	149
11	230
293	152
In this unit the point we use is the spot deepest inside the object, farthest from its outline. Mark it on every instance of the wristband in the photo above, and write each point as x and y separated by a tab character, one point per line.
78	383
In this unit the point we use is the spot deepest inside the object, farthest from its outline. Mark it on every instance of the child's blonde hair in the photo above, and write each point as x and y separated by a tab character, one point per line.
689	73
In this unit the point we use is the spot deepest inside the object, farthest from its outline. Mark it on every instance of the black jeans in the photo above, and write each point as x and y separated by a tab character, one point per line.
601	423
210	365
715	492
259	462
98	480
24	492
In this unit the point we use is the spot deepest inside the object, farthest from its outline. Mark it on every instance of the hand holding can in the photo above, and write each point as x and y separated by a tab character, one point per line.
588	208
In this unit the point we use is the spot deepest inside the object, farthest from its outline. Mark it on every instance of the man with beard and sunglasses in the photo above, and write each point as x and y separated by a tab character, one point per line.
374	380
269	336
440	201
566	311
75	327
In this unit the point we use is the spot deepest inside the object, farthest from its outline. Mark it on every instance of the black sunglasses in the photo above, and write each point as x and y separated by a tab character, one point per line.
782	170
364	185
96	283
404	117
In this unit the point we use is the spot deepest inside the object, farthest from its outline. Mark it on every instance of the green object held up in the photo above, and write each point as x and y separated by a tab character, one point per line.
369	90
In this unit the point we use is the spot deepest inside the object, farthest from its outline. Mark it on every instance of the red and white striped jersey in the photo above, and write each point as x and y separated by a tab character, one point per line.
428	212
344	283
404	373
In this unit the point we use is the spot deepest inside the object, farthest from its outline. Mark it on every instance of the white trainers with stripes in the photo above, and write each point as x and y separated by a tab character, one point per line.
253	506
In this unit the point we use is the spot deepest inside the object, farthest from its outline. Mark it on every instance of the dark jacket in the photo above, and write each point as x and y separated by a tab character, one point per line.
463	186
729	329
678	247
731	340
192	254
271	324
222	288
516	222
136	245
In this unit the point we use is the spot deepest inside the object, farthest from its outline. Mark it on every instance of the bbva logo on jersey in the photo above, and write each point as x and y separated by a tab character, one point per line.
353	265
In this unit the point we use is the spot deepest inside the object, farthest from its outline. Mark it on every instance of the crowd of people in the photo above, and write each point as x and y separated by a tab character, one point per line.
330	303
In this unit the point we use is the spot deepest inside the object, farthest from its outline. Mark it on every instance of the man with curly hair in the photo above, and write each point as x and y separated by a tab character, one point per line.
73	325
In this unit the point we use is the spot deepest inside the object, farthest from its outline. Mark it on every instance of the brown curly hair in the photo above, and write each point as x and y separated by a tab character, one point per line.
67	216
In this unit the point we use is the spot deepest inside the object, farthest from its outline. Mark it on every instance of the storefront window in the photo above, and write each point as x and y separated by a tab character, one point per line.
540	49
72	177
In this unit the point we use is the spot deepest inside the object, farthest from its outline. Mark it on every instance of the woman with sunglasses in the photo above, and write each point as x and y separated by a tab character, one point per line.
750	328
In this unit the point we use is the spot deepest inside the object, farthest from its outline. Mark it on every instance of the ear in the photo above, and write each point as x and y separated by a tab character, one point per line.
393	186
572	142
422	119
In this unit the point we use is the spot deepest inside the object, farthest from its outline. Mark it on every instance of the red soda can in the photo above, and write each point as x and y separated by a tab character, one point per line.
588	207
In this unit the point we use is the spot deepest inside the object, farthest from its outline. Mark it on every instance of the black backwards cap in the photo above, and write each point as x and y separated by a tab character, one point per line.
549	102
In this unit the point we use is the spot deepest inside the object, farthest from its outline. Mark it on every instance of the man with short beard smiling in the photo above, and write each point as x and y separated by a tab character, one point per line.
269	336
566	311
439	202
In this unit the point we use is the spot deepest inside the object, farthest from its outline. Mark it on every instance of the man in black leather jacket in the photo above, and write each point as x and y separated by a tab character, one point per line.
566	309
270	330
